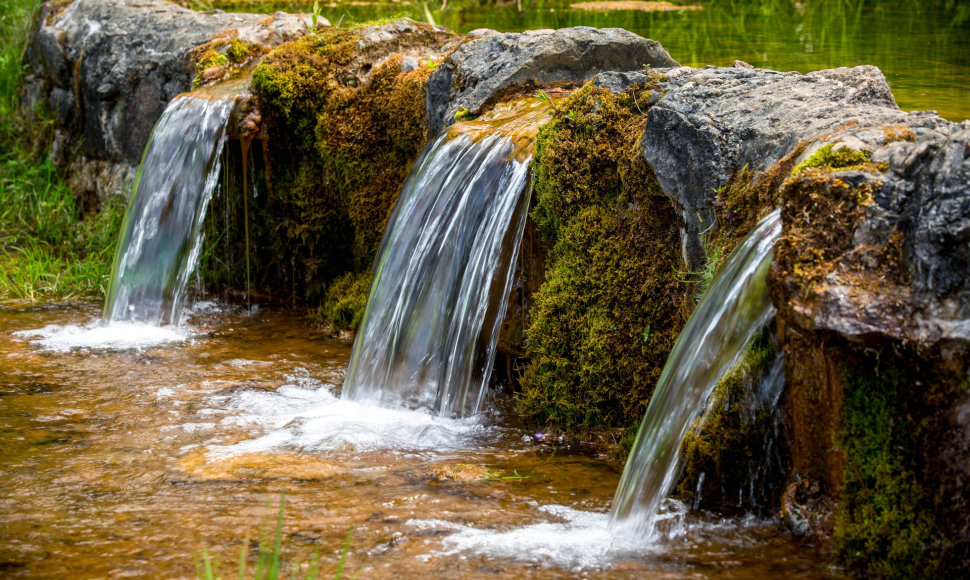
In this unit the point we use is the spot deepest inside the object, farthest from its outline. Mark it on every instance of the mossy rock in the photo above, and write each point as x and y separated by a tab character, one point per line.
346	300
898	516
343	120
611	307
733	457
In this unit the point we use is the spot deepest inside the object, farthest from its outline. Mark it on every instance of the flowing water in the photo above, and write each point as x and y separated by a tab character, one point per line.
734	307
123	463
160	240
444	269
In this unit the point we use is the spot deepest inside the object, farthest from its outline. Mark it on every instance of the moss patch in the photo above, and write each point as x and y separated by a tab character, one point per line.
745	200
346	300
220	58
732	457
822	211
342	123
892	522
611	307
827	158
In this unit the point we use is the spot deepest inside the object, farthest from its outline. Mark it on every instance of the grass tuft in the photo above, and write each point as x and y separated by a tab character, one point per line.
49	250
269	557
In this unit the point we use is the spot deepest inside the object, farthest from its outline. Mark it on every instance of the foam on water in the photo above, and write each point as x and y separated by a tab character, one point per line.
304	414
575	539
97	335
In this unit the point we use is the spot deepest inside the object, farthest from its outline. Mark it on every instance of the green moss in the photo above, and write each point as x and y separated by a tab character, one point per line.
342	134
463	114
239	51
611	306
346	300
220	57
293	80
730	457
886	524
821	212
212	58
826	158
368	138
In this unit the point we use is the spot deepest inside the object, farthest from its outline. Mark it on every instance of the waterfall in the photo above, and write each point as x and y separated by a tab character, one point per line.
732	310
160	238
444	268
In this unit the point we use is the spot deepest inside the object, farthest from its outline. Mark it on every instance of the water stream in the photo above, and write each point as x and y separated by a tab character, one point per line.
123	463
734	307
444	269
160	240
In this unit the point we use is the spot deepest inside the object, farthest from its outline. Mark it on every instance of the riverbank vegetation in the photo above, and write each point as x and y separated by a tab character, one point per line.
49	250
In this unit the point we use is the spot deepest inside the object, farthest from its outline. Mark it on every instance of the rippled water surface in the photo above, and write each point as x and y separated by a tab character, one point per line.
121	463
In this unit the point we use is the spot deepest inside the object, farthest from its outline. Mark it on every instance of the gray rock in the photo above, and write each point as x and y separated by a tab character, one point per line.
924	196
108	68
490	65
618	82
712	122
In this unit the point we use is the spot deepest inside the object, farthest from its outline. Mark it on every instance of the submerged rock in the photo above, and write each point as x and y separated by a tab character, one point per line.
490	65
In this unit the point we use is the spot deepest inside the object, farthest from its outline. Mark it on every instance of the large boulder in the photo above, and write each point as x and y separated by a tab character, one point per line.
909	237
712	122
106	69
489	66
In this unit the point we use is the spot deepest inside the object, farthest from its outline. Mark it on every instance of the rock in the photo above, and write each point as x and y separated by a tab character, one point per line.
712	122
904	273
871	283
108	68
488	65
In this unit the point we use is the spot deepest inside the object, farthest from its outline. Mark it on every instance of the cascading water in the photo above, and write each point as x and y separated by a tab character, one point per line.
444	269
160	239
732	310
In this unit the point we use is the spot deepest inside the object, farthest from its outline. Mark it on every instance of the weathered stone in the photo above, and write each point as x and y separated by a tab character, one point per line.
108	68
489	66
906	273
712	122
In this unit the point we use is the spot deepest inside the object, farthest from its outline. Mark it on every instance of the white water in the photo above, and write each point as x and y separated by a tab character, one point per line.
304	414
161	238
734	307
442	279
98	336
573	539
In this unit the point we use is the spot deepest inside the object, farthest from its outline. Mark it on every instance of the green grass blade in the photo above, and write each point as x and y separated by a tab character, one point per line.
343	555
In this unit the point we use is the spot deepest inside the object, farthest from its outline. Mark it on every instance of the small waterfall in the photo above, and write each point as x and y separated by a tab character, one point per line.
444	268
160	239
732	310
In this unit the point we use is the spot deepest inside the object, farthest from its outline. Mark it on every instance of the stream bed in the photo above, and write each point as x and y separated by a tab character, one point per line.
122	463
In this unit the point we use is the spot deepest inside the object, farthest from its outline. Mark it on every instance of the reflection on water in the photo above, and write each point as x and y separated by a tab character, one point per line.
923	46
121	463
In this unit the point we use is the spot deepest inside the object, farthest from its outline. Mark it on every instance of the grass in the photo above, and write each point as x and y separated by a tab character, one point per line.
269	559
49	250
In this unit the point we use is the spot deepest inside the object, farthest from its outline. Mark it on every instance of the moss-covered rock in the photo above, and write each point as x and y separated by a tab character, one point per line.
892	520
342	120
346	300
605	319
733	457
221	57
